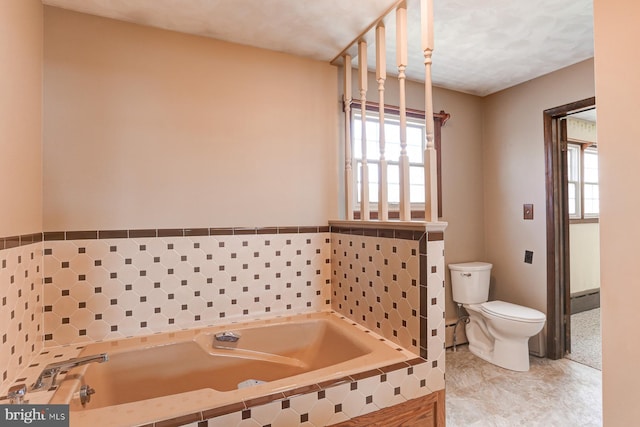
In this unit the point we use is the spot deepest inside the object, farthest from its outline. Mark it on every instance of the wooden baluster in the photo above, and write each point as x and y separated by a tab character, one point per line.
364	172
381	75
430	158
401	59
348	159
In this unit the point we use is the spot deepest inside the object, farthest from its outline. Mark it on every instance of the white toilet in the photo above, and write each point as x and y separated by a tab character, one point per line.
497	331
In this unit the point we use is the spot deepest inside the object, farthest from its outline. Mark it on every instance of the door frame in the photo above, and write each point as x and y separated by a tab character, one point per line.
558	289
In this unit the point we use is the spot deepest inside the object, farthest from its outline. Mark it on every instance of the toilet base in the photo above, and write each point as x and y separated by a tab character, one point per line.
484	342
508	355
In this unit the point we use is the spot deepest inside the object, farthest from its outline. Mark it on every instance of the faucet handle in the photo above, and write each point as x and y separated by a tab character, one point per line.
16	394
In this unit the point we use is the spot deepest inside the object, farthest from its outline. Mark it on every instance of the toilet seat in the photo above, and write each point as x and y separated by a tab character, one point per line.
509	311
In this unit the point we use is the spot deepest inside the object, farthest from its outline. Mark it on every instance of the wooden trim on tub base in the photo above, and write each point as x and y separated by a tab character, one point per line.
427	411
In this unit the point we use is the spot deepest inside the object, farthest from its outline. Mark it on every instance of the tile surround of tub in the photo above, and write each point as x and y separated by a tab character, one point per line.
436	336
392	281
376	282
20	304
319	404
97	288
336	403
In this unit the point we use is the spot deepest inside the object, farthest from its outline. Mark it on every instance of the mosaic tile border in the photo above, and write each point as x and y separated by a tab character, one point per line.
21	240
178	232
389	233
27	239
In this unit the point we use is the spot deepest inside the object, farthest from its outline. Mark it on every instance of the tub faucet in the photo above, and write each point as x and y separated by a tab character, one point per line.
227	336
16	394
47	377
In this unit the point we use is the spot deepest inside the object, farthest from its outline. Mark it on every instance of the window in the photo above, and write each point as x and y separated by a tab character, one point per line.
415	152
590	183
583	189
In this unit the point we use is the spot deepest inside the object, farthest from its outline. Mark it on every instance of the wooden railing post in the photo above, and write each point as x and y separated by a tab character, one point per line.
430	157
381	75
401	59
348	159
364	172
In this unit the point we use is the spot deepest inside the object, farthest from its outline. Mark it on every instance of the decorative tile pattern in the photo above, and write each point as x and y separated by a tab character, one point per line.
20	306
30	373
113	284
395	289
98	289
435	312
376	283
336	403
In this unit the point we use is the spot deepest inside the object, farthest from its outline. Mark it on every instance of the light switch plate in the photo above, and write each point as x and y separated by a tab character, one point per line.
527	210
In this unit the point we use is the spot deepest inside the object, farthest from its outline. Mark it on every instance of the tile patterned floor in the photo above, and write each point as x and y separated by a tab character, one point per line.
554	393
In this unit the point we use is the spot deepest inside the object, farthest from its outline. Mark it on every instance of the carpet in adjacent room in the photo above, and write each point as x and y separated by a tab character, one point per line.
586	341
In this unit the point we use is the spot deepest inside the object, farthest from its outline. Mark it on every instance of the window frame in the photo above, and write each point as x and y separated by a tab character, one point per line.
417	209
581	216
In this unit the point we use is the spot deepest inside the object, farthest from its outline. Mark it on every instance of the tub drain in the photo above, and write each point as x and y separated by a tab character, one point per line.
249	383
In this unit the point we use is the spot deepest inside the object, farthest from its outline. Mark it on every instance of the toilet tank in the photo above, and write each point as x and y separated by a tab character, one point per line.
470	282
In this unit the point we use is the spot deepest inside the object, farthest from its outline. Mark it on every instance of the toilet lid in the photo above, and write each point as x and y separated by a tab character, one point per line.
510	311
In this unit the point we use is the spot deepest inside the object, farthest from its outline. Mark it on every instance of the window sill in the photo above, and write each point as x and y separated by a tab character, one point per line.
584	220
373	215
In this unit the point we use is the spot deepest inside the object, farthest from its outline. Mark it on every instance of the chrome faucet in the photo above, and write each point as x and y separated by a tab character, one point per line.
47	377
227	336
16	394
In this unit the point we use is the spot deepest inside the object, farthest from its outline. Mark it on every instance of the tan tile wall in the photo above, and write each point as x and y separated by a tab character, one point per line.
435	310
395	287
20	308
376	283
98	289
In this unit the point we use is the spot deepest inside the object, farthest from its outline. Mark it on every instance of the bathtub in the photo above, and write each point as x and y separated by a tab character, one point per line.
169	375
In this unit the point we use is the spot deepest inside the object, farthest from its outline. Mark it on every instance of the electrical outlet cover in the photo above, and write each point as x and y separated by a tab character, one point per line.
528	257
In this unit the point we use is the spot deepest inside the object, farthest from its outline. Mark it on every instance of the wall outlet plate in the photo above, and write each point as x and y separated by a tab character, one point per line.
528	257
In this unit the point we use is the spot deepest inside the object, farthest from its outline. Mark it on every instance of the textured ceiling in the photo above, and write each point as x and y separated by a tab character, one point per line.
486	46
481	46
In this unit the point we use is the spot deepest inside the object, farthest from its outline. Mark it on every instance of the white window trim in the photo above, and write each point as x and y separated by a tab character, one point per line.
580	214
389	118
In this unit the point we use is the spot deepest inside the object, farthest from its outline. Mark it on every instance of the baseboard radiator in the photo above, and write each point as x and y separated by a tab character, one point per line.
585	300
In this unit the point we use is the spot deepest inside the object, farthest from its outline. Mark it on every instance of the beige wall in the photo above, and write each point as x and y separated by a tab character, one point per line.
581	130
149	128
584	253
20	117
462	185
514	174
584	239
618	92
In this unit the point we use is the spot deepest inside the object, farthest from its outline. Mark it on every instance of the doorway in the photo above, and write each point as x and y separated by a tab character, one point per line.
557	213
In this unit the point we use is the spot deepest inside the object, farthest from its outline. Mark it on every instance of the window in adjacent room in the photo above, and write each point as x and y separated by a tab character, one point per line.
583	188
